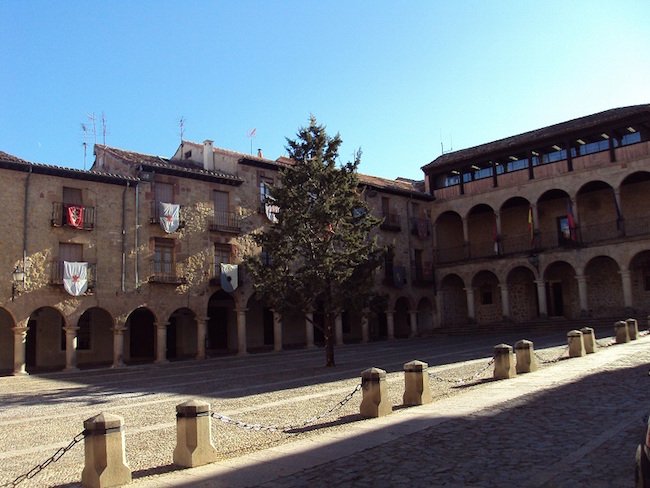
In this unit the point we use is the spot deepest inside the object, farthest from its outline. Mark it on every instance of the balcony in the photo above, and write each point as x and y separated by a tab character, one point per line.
228	222
166	273
73	216
56	275
391	222
422	276
421	228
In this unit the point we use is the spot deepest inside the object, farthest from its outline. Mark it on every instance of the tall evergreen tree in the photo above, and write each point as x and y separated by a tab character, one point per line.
319	253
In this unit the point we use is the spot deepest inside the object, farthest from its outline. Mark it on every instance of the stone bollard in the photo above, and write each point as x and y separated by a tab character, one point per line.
622	334
504	364
589	339
375	401
632	329
105	458
526	360
576	344
193	436
416	384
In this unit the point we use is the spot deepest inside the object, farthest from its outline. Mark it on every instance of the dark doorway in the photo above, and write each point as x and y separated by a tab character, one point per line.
171	338
219	309
30	345
555	299
142	335
267	321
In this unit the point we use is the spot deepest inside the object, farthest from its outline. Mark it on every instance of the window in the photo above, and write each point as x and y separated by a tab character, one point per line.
632	138
517	165
221	255
72	196
188	154
221	201
385	206
163	257
481	173
451	180
593	147
70	252
486	296
265	189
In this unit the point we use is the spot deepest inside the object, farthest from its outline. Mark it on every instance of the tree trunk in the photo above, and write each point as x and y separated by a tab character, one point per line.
329	339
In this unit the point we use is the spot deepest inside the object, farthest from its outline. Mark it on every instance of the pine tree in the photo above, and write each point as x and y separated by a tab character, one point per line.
320	251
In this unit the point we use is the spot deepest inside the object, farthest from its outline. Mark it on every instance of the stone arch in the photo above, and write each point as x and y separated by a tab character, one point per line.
604	288
599	214
552	212
481	231
450	239
640	280
95	337
453	301
426	322
635	203
487	297
7	323
140	335
561	290
522	294
222	323
515	232
45	341
402	318
182	335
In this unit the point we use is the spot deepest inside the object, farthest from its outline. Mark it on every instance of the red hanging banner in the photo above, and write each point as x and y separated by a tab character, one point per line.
75	216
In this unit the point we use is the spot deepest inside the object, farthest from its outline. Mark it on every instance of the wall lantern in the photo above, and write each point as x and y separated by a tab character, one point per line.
17	282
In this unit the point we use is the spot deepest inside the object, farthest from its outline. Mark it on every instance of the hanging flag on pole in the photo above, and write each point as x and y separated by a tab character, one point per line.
531	227
571	220
251	133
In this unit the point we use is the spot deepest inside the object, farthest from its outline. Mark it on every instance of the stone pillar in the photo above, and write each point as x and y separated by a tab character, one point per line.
416	384
193	435
201	334
309	329
105	457
505	301
375	402
70	348
413	317
541	298
365	332
161	343
582	293
471	314
390	325
632	329
241	332
504	364
118	345
338	329
589	339
277	331
526	359
622	334
576	344
20	340
626	282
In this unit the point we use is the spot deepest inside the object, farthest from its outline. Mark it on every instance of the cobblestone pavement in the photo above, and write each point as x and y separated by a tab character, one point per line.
41	413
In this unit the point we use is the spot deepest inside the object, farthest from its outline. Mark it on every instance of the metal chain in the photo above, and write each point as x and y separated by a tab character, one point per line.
52	459
463	380
543	360
285	428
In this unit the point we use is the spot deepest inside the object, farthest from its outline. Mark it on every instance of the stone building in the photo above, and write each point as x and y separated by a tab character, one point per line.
552	223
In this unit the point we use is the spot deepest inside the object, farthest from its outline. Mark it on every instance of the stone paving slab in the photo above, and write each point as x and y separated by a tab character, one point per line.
540	429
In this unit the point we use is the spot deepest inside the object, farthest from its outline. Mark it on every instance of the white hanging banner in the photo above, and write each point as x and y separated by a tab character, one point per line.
75	278
229	275
271	210
169	216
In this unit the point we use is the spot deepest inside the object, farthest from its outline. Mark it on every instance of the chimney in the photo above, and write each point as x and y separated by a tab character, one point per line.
208	155
259	153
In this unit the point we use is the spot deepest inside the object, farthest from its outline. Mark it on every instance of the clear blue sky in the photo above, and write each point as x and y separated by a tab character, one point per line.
393	78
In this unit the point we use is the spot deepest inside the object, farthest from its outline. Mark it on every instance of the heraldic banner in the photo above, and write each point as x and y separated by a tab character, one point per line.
169	217
75	216
229	277
75	278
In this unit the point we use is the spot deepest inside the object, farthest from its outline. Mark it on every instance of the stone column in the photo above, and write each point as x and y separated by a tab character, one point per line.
70	348
582	293
526	359
390	325
338	329
201	333
504	364
20	340
576	344
118	345
413	317
626	282
505	301
375	402
193	435
309	329
471	314
277	331
541	297
241	332
105	456
365	332
161	343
